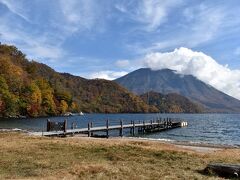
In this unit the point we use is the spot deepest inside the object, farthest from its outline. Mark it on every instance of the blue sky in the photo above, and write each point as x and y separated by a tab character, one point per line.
108	38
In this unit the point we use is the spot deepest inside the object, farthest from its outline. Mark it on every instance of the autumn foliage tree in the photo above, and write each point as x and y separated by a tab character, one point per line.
63	106
47	102
33	97
7	100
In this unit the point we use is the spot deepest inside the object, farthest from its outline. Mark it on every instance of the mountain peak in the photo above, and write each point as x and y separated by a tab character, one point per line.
168	81
154	70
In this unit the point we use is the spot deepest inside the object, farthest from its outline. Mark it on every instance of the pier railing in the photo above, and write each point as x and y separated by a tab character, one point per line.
140	127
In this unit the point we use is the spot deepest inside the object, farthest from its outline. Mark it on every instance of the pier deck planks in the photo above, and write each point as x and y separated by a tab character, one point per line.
155	126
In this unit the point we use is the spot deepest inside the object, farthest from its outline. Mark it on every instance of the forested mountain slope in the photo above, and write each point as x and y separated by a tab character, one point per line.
34	89
171	103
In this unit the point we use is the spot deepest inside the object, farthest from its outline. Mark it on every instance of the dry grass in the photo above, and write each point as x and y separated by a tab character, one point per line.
27	157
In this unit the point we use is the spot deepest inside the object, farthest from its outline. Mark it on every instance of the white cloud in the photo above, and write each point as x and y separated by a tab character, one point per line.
34	47
50	52
237	51
205	22
155	12
80	14
36	44
41	36
150	13
109	75
198	24
121	8
123	63
16	8
198	64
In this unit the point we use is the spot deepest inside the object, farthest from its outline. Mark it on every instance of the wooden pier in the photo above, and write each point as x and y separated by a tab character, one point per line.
60	128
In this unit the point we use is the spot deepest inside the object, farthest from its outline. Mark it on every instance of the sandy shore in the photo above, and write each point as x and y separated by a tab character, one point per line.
182	145
197	147
186	146
193	146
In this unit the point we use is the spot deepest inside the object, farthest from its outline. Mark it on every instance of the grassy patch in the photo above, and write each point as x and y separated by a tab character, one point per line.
23	156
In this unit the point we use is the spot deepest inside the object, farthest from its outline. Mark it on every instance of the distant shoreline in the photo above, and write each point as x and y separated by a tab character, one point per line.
203	113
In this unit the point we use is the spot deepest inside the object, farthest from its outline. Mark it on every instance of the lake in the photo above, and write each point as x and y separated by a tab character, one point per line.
202	128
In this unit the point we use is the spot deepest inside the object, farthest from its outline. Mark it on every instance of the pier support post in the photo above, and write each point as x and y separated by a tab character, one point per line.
121	129
107	128
73	127
139	127
144	127
89	130
151	127
131	128
133	132
170	122
48	125
65	126
91	126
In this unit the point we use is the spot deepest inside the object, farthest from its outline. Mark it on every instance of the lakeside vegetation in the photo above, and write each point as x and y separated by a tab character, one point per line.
84	158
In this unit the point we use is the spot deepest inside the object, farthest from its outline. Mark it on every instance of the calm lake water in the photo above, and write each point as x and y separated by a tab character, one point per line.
202	128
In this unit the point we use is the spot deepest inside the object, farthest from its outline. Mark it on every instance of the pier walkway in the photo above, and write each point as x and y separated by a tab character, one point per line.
60	128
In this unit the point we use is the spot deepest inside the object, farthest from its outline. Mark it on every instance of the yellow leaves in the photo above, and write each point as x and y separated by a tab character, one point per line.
63	106
3	84
73	105
34	99
48	103
175	109
36	95
16	70
7	67
1	105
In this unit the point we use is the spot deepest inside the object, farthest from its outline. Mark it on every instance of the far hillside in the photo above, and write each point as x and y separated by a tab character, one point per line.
171	103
